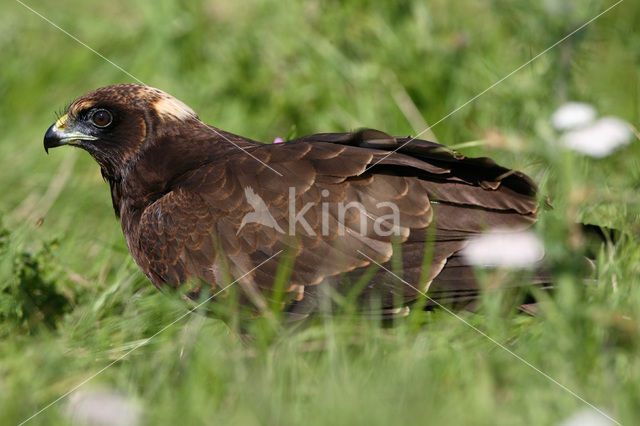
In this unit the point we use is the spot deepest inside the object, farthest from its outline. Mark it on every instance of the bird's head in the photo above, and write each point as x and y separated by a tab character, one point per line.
114	122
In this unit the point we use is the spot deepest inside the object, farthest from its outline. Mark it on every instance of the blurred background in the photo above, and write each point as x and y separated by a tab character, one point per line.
72	300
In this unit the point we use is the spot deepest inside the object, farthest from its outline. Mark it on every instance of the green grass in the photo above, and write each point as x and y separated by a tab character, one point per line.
72	300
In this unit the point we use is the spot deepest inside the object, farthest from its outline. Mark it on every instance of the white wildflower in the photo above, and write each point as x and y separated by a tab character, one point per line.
102	407
587	417
600	138
573	115
506	249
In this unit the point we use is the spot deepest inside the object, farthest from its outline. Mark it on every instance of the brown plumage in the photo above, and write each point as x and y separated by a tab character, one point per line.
188	194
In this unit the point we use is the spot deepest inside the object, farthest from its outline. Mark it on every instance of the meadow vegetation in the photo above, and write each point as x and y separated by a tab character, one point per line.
72	300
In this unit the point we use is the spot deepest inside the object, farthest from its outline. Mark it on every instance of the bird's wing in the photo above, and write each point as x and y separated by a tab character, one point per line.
192	231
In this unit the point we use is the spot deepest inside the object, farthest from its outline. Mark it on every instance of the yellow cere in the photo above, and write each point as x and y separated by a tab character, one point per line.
61	122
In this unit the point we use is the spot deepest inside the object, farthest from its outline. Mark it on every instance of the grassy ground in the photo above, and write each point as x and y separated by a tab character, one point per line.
72	300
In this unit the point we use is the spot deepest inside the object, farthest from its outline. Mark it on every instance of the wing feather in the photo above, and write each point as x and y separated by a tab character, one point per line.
238	211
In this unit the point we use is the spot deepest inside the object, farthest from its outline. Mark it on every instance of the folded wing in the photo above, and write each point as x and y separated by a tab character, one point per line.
336	201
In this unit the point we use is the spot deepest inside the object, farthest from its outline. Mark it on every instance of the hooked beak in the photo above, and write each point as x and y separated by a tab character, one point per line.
58	135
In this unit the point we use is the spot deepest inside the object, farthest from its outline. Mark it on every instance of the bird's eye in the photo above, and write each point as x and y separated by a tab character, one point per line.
101	118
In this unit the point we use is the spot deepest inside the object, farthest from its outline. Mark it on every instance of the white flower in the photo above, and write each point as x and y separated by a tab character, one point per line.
600	138
102	407
587	417
573	115
506	249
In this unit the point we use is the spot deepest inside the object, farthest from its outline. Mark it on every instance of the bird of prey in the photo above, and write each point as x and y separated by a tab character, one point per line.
202	208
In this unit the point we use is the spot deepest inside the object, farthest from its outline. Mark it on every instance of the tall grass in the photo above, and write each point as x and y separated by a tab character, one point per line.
72	300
